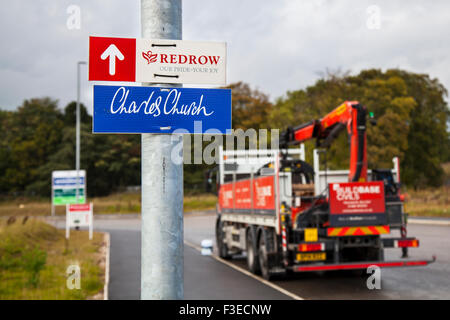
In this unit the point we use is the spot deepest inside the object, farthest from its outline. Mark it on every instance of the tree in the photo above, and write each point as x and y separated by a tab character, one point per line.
33	133
410	108
251	108
5	148
38	139
412	119
428	136
70	114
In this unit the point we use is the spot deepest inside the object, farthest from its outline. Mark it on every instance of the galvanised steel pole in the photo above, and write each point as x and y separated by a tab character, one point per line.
77	147
162	181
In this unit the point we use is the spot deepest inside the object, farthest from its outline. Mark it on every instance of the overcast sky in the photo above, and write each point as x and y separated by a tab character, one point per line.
274	46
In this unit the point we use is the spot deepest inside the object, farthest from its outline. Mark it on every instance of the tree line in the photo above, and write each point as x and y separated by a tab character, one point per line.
411	111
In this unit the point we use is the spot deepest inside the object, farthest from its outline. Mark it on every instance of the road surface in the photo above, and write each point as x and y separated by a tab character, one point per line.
209	278
430	282
204	277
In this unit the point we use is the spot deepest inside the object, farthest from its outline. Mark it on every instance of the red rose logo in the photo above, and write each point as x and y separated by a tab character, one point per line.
149	56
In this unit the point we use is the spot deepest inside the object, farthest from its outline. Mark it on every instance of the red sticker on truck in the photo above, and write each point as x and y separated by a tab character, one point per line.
263	190
357	198
242	195
226	196
239	197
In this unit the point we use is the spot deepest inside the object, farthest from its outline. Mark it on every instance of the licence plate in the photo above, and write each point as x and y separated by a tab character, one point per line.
311	256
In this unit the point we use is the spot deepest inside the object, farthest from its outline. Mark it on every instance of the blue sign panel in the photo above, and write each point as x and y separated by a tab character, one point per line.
120	109
68	181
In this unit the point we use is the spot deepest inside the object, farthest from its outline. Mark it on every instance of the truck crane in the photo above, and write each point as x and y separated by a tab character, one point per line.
288	216
351	115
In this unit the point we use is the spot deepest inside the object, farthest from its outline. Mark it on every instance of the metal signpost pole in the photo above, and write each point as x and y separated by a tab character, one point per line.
91	220
51	198
77	156
162	181
67	222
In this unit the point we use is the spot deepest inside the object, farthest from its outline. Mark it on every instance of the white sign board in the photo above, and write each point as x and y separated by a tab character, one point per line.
79	215
184	62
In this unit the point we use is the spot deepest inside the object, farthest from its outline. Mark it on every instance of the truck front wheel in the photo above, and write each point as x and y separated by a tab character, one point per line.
222	248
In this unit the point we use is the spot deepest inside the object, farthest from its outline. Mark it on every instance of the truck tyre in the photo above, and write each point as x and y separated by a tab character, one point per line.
222	248
252	253
263	257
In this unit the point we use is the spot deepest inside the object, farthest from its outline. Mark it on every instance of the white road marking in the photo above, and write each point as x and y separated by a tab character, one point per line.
429	221
108	247
248	273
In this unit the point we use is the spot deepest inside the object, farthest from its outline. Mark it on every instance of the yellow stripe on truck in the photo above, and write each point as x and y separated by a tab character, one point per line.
357	231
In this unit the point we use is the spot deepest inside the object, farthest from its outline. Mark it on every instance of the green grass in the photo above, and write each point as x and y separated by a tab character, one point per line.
200	202
131	203
429	202
423	202
122	203
34	258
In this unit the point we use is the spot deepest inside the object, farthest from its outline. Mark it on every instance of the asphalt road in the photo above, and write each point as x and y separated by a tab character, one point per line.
209	278
429	282
204	277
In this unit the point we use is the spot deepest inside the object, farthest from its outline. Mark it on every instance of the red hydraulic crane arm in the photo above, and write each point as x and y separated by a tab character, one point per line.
350	115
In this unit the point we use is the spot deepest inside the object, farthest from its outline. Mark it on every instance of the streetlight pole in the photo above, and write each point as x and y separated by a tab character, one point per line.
162	180
77	152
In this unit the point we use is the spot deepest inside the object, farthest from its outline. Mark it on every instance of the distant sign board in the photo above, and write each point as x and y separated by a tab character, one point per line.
119	109
158	61
79	215
64	187
357	203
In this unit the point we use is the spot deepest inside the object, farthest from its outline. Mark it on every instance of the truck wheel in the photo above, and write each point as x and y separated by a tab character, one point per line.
252	256
263	258
222	248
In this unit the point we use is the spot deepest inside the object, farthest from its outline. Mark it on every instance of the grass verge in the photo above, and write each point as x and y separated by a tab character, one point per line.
429	202
116	203
34	257
423	202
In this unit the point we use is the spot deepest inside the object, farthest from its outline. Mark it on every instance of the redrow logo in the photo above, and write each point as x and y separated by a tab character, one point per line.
149	56
179	58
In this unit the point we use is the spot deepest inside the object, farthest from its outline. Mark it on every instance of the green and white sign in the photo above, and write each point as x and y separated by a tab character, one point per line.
64	187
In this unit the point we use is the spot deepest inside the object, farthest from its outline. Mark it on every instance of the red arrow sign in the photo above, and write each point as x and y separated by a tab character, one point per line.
157	60
112	59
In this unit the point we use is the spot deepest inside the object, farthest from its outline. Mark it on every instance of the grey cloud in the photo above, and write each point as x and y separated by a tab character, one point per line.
274	45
